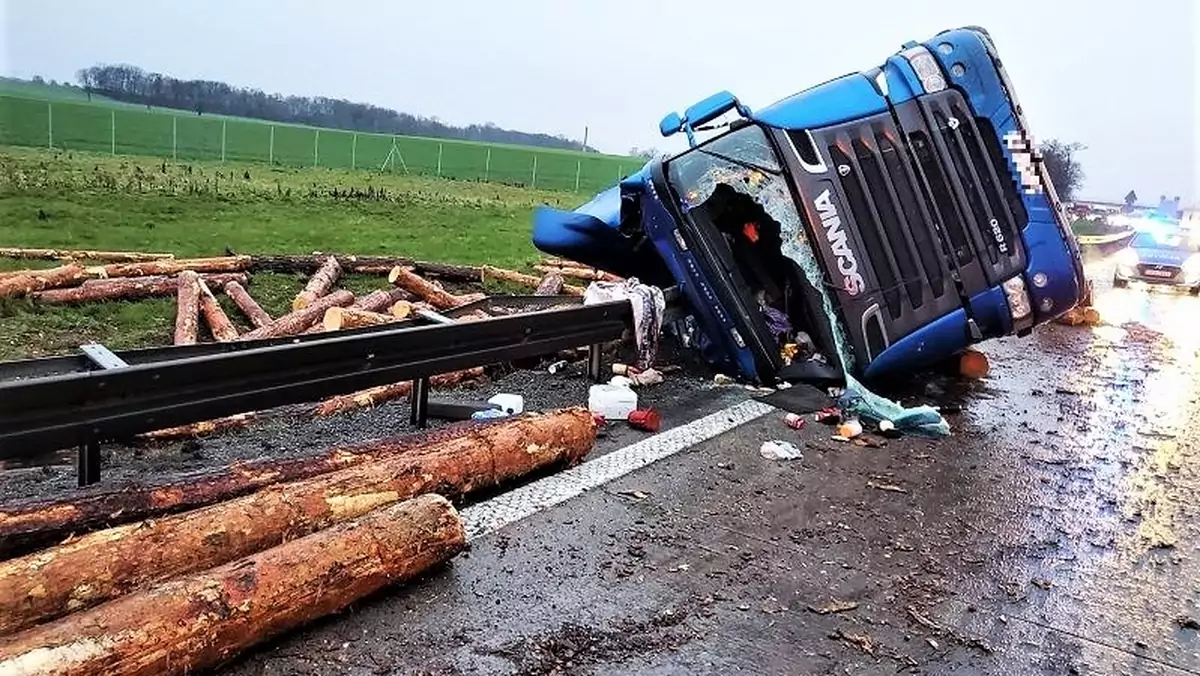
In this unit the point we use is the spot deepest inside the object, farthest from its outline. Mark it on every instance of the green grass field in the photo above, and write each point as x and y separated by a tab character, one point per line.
65	199
44	116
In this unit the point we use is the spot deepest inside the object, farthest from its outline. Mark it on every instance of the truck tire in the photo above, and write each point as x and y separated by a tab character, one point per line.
1119	283
1194	291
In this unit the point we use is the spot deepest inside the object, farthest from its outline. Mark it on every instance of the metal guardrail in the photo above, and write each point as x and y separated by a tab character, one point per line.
56	403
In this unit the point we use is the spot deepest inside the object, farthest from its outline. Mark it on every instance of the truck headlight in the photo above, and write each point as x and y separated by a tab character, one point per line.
926	67
1191	268
1127	258
1018	303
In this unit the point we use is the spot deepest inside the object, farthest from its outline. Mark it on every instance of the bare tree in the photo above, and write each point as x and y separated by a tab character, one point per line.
1062	163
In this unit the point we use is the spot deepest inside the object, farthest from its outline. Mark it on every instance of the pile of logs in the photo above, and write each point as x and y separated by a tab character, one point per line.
141	586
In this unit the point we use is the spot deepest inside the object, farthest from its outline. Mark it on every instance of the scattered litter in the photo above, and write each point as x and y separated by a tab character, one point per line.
647	420
1185	622
932	643
744	606
834	607
557	366
620	381
860	641
623	369
512	404
681	568
888	430
612	402
1042	583
780	450
647	377
973	364
1080	316
794	421
923	621
488	414
722	379
829	416
850	429
893	488
639	495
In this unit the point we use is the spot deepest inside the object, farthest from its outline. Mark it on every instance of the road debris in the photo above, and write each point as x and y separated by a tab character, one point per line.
646	420
892	488
834	607
1185	622
794	421
1042	583
861	641
850	429
722	379
780	450
973	364
611	401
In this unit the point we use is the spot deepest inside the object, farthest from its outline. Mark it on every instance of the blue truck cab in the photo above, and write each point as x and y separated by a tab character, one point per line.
895	216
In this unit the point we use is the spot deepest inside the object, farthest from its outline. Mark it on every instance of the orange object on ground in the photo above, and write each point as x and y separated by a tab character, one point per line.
973	364
750	230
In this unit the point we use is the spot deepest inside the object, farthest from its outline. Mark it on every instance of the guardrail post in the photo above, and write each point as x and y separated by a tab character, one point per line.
578	170
50	126
271	151
316	148
420	402
112	128
354	151
439	168
594	362
487	165
88	464
224	124
174	138
534	183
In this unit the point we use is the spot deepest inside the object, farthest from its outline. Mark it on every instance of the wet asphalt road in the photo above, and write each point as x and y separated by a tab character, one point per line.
1057	532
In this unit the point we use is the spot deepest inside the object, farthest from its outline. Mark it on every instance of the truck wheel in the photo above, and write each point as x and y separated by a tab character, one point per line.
1194	291
1119	283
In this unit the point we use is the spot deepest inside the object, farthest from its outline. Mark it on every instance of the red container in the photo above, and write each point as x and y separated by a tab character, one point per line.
794	421
647	420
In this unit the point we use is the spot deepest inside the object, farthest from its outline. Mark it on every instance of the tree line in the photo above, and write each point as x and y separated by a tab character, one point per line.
131	84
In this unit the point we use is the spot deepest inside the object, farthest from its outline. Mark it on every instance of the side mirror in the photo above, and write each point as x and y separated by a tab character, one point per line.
710	109
671	124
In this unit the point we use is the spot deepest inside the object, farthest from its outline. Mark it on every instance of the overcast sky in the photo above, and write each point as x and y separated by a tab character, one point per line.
1122	78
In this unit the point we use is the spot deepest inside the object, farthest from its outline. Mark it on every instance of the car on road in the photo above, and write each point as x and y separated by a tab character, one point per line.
1170	258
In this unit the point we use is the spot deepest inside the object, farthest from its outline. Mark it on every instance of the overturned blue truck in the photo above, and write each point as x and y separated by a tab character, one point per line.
892	217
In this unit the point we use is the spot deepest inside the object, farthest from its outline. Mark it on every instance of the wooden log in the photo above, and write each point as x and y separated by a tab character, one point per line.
126	288
218	322
380	300
81	255
206	618
374	396
551	285
34	524
94	568
187	308
172	267
422	288
300	320
37	280
319	284
309	264
402	309
579	273
468	298
338	318
202	428
237	293
523	279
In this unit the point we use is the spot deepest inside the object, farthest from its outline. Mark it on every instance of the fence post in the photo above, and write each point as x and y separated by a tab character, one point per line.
50	126
316	147
578	169
112	128
487	165
271	151
354	152
620	173
534	183
224	123
439	169
174	138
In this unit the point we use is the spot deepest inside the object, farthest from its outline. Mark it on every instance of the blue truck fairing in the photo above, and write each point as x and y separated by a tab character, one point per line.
918	201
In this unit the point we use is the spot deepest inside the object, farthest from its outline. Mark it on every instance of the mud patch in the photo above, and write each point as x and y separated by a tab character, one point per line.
572	647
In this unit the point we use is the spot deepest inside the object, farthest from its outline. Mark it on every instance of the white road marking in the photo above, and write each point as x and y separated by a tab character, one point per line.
502	510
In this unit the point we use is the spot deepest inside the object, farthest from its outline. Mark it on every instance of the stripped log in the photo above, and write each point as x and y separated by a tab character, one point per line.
319	284
187	308
198	429
82	255
380	300
172	267
374	396
127	288
422	288
218	322
523	279
34	524
468	298
402	309
589	274
338	318
250	308
364	265
37	280
204	619
300	320
94	568
551	285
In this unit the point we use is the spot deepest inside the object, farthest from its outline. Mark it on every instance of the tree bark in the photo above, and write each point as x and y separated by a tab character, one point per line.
364	265
218	322
204	619
80	255
34	524
523	279
105	564
299	321
187	308
37	280
173	267
319	284
551	285
338	318
127	288
381	300
374	396
579	273
422	288
237	293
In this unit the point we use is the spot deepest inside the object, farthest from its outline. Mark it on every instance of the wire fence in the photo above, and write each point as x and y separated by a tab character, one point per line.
129	130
